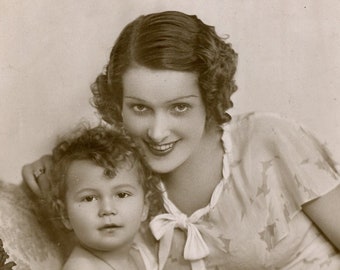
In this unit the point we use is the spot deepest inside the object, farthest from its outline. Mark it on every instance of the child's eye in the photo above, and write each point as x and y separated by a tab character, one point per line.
89	198
123	195
180	108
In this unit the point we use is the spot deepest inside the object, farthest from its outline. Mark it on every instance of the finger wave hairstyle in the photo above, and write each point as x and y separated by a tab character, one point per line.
107	148
169	40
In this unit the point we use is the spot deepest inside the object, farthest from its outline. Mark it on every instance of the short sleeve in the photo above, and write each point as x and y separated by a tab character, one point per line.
279	165
301	170
307	170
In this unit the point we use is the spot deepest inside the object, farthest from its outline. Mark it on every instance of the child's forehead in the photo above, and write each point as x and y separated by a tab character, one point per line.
87	171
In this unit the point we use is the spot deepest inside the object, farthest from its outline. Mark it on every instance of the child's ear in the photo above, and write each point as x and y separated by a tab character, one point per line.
61	208
146	207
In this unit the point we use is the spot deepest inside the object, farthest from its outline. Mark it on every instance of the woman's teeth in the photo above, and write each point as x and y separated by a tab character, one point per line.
163	147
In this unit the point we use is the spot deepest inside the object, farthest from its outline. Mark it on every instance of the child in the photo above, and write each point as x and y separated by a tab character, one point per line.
101	189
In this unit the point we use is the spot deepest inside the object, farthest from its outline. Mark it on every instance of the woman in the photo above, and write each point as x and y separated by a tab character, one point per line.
254	192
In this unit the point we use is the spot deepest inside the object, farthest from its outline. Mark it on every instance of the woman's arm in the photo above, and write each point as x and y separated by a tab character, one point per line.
41	183
325	213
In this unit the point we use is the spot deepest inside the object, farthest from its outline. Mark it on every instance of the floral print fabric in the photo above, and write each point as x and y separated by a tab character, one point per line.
271	167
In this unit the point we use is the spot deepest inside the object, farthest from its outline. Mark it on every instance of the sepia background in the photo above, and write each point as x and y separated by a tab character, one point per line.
51	51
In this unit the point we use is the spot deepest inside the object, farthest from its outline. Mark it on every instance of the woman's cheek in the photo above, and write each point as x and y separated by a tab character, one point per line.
134	125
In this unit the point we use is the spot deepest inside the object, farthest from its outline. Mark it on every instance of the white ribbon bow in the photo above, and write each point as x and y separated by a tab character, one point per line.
195	249
163	225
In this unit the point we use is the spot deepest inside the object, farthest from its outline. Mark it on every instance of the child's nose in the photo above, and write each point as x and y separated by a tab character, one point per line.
107	208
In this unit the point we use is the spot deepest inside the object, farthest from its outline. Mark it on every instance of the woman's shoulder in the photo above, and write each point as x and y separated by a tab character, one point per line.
261	126
265	133
270	134
261	120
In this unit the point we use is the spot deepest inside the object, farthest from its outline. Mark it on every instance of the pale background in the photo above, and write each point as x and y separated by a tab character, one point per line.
50	52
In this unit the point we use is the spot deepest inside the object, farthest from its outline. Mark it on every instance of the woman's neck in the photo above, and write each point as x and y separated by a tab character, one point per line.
198	176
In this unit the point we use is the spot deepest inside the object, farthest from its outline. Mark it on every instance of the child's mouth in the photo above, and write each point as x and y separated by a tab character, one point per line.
109	227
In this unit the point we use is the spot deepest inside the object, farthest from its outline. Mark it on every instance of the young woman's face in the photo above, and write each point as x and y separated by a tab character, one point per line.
105	214
163	110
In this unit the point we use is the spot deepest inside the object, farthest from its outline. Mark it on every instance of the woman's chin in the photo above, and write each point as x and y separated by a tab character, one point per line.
161	166
160	169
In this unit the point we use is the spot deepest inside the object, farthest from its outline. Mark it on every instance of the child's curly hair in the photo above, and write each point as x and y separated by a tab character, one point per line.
175	41
107	148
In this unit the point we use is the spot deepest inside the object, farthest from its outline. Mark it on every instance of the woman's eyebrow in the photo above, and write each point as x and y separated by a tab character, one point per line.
136	98
183	97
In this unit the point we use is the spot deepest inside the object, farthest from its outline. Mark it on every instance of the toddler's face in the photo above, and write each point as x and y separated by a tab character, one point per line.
105	214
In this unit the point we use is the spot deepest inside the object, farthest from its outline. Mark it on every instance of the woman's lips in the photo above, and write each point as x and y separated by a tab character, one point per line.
160	149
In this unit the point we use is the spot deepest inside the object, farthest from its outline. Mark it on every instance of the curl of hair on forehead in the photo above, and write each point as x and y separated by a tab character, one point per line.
175	41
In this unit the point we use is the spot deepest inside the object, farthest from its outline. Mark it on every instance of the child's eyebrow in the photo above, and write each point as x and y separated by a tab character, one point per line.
125	186
83	190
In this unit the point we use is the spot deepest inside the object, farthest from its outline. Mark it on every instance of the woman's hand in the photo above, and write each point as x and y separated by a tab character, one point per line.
37	174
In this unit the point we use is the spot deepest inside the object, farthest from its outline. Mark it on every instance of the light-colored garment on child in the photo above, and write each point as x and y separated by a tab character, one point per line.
254	220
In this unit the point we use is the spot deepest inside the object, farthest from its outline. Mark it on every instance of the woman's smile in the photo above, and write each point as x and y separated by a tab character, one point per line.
160	149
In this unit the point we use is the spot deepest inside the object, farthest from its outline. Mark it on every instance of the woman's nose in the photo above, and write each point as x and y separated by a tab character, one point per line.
107	208
159	129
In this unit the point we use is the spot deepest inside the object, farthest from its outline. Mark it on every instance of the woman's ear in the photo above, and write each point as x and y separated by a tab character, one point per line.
146	207
61	208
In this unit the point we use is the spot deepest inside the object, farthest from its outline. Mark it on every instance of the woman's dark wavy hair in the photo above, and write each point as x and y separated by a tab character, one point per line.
174	41
107	148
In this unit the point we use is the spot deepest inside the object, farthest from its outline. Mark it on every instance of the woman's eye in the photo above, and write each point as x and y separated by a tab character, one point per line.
89	198
123	195
139	108
180	108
